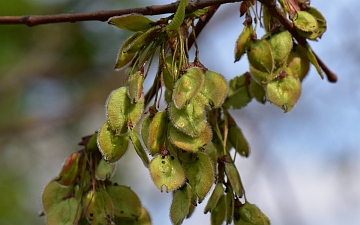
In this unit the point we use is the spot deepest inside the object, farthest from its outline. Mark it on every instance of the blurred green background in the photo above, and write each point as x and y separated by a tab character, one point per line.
54	81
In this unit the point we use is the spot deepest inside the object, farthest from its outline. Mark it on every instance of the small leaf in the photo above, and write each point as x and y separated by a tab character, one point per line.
258	91
124	58
53	194
190	119
157	132
179	16
214	89
144	219
135	89
250	214
284	92
197	13
126	203
281	44
200	174
70	170
233	175
142	40
104	170
214	198
243	41
239	94
131	22
298	62
167	171
218	214
263	77
170	72
65	212
260	56
135	111
187	86
305	21
313	60
238	141
187	143
229	205
138	147
145	130
180	204
98	207
111	147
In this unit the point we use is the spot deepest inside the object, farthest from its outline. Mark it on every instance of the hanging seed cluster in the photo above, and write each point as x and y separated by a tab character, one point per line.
192	141
83	192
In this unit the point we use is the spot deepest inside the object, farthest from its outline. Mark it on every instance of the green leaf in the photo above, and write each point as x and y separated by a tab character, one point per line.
53	194
298	62
229	205
242	42
180	204
123	57
217	193
138	147
313	60
200	174
135	111
218	214
126	203
131	22
98	207
111	147
197	13
65	212
250	214
70	170
135	87
188	143
104	170
233	175
260	56
145	130
281	44
190	119
214	89
239	94
167	171
179	16
305	21
157	132
142	40
284	92
187	86
258	91
237	140
170	72
144	219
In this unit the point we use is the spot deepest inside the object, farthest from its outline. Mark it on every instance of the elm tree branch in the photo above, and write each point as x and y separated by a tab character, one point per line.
34	20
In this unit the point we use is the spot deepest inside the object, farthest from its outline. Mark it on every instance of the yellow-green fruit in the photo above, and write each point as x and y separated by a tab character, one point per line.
298	62
98	207
284	92
260	56
170	72
281	44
